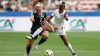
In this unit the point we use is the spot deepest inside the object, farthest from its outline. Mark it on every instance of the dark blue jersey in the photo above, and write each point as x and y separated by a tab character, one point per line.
38	19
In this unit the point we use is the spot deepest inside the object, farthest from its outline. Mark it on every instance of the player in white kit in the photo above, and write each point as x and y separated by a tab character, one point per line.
59	21
58	26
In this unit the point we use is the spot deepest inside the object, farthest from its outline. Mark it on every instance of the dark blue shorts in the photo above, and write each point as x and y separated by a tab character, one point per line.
33	30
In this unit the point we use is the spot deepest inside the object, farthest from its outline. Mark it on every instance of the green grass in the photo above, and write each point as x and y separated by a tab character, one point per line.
84	43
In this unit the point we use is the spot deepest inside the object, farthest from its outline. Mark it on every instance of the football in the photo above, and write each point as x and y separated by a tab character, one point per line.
48	53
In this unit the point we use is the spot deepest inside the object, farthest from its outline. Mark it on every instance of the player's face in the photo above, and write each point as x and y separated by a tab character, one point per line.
61	8
38	9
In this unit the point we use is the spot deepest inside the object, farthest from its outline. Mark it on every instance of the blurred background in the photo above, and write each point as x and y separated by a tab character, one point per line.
82	14
83	27
28	5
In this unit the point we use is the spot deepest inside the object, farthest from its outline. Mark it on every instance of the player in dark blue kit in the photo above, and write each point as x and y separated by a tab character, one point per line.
37	18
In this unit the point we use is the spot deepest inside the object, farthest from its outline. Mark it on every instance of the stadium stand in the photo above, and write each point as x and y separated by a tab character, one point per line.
28	5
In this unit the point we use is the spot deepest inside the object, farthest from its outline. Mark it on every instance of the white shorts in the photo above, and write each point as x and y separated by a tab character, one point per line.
61	31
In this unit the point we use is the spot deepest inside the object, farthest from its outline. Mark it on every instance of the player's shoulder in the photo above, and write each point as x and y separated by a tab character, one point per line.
56	10
33	13
44	14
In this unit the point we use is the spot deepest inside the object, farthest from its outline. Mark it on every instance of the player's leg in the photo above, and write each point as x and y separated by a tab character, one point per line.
61	32
44	35
28	47
65	40
47	27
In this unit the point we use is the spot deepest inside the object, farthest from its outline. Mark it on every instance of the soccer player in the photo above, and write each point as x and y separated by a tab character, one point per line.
58	26
36	18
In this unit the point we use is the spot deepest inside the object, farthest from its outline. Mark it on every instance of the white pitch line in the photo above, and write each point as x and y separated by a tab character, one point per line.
77	51
53	51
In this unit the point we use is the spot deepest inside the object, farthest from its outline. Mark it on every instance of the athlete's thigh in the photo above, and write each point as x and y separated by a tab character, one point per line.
44	34
48	27
32	32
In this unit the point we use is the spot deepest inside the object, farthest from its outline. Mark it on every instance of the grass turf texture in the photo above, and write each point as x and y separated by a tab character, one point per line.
84	43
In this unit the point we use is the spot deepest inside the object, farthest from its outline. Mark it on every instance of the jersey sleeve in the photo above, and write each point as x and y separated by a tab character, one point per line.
32	13
45	15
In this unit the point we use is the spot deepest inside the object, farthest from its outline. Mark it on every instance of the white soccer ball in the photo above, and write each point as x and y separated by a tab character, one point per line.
48	53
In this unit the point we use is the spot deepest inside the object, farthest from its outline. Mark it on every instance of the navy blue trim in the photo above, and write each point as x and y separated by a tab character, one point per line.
84	13
97	13
15	13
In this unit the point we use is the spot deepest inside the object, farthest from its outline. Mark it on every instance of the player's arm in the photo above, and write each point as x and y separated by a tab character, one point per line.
66	16
49	19
32	17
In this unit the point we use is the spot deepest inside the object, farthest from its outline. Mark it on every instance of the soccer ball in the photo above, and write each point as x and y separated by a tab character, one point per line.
48	53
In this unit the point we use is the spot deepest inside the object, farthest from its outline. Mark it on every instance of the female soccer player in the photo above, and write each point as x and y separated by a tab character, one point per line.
36	18
58	26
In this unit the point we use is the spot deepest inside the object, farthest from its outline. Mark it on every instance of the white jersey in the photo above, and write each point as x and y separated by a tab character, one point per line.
58	18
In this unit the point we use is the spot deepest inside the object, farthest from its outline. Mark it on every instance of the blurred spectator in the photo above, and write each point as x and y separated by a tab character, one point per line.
8	7
23	6
98	6
28	5
14	5
4	3
1	6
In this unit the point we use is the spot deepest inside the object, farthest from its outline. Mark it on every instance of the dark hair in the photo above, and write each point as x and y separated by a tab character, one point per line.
63	2
98	5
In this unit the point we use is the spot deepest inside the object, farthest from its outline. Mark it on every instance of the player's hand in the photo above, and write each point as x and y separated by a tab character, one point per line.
65	13
33	20
65	16
42	23
55	28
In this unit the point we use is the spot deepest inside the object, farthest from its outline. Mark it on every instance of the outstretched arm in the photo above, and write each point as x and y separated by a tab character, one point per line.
49	19
66	16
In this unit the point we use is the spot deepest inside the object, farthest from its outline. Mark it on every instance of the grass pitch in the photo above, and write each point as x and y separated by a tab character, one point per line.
84	43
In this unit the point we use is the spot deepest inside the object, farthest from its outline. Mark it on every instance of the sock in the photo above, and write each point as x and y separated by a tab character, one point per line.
42	41
70	48
28	48
38	31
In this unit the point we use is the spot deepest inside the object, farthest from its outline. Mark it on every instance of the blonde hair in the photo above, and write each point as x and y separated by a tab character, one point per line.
39	5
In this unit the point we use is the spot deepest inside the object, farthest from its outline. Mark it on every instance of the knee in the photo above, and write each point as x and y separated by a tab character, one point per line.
46	37
30	43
